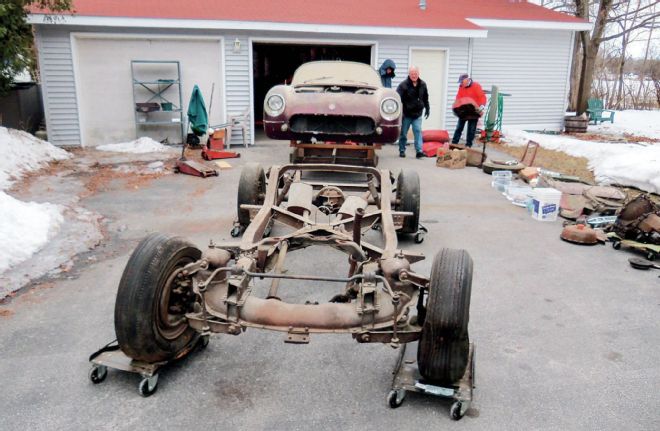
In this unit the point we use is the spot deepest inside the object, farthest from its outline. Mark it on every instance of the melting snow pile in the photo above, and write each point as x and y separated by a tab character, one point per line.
25	227
636	165
139	146
21	152
638	123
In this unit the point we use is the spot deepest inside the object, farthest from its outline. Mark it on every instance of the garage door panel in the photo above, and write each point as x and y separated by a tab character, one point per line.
103	74
432	64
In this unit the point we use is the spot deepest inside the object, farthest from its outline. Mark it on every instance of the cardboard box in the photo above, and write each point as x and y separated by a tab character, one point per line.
454	159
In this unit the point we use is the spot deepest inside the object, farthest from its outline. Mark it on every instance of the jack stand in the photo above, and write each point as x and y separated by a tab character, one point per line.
420	234
407	379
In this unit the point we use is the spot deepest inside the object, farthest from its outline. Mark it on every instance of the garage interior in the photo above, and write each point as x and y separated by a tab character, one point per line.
275	63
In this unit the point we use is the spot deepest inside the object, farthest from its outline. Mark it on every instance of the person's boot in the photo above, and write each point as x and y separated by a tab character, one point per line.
420	155
402	154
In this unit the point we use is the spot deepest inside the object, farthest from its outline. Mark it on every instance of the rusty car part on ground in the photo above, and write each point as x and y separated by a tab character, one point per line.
172	293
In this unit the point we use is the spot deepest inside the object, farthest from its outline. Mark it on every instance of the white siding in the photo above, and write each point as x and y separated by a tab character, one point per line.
398	50
238	81
531	65
58	86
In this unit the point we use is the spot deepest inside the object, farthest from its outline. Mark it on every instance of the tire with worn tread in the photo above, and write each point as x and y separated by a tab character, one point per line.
408	198
443	350
251	190
144	330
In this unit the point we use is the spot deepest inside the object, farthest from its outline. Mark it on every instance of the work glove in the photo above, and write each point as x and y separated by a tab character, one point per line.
427	113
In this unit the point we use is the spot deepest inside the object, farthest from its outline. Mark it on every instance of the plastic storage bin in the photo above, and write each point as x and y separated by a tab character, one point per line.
545	204
501	180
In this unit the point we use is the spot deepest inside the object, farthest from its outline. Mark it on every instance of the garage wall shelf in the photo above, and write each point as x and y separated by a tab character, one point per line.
157	95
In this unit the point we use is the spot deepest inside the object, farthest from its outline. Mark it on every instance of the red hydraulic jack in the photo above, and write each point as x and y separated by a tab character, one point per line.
191	167
214	148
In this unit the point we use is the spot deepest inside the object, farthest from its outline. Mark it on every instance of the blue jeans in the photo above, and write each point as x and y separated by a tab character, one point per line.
471	131
416	124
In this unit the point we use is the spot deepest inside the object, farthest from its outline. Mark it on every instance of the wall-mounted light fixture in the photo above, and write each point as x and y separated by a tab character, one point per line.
237	46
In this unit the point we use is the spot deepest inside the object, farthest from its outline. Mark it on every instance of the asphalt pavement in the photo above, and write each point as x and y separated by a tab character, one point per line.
566	335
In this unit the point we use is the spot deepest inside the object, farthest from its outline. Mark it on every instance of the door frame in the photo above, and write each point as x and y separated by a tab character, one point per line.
443	117
300	41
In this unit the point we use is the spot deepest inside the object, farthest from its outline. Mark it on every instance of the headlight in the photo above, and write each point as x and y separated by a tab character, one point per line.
275	104
389	106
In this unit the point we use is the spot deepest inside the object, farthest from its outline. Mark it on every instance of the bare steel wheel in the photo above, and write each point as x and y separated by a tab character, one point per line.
153	298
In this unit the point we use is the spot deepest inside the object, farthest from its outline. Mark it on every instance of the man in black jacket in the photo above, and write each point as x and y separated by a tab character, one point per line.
415	100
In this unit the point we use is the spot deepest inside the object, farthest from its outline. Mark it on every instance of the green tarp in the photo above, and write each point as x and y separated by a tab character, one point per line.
197	116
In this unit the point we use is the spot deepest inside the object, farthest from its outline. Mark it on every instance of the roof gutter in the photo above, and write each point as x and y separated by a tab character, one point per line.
529	24
97	21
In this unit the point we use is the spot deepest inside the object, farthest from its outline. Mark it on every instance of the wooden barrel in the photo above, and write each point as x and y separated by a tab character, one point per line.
573	124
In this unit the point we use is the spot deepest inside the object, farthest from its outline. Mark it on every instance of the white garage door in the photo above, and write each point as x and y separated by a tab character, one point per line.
105	88
432	65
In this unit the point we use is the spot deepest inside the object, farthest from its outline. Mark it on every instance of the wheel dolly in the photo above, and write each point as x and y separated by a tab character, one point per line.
408	379
110	356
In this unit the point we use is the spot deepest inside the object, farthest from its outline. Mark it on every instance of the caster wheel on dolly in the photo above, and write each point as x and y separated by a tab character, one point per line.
419	237
457	411
204	341
98	373
236	231
148	386
395	398
651	256
616	245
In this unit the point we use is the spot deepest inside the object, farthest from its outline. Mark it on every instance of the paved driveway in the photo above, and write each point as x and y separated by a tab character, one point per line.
567	336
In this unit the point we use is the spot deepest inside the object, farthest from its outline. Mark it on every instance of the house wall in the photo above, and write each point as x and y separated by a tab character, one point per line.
530	64
533	66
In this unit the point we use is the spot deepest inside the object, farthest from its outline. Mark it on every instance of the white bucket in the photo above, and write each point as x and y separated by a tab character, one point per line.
545	204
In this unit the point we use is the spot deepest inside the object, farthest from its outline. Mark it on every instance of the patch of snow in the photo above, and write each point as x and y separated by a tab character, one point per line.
21	152
636	165
139	146
638	123
25	228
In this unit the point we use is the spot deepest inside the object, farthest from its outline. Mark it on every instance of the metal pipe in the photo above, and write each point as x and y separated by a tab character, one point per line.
357	226
275	284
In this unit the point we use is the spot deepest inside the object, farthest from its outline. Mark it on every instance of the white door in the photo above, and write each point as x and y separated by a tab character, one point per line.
105	87
432	65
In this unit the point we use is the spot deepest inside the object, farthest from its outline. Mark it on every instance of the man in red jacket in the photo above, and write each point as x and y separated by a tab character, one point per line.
470	96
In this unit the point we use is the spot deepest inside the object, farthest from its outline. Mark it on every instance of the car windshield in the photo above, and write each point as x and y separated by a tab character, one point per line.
343	73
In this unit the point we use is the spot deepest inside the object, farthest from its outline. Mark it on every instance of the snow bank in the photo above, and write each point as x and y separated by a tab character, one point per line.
25	228
638	123
21	152
636	165
139	146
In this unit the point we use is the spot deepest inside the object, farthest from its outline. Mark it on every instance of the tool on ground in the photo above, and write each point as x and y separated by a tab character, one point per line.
639	263
214	148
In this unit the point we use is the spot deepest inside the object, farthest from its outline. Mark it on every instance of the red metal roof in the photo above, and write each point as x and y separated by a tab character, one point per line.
439	14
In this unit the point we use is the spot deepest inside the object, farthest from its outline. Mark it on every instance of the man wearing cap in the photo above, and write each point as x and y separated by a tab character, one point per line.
415	100
469	93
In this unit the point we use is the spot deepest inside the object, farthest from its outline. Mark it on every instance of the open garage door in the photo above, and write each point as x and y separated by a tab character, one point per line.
105	86
275	63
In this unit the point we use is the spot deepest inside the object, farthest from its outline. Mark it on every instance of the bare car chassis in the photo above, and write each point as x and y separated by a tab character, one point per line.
172	295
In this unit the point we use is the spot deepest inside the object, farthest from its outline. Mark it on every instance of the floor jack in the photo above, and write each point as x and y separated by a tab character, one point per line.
191	167
407	379
214	148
